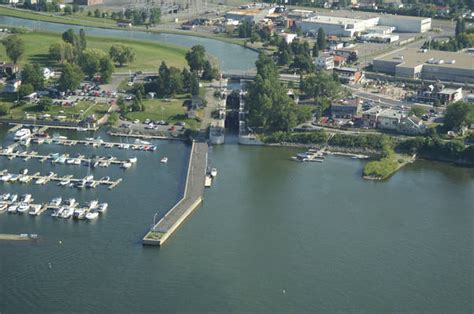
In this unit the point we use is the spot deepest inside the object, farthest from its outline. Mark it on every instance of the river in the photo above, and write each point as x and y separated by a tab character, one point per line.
232	57
272	236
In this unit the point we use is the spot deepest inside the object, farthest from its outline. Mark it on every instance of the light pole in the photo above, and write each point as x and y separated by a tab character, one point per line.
154	221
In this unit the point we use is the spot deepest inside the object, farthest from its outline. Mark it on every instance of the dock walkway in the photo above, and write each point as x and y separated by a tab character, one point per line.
192	198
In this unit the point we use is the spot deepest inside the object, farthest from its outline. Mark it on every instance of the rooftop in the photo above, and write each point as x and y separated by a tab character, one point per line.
332	20
411	57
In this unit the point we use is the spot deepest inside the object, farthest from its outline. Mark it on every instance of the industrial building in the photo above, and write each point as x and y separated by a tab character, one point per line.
350	27
251	13
88	2
425	64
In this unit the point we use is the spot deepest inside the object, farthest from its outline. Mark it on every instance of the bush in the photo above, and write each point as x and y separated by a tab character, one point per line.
382	168
317	137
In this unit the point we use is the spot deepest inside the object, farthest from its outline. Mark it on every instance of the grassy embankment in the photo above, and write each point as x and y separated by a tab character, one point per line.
81	19
148	57
384	168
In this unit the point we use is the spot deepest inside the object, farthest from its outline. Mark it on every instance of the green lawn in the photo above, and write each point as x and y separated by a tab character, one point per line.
171	111
148	54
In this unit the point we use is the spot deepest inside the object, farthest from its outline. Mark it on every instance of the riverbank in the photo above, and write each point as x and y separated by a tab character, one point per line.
36	16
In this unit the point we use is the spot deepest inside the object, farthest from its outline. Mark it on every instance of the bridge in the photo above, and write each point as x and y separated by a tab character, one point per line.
250	75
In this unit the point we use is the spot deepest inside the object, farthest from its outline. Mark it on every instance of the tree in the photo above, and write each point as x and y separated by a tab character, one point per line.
25	89
315	50
91	61
194	84
33	74
106	68
14	48
82	39
67	10
196	58
164	80
121	104
207	73
417	111
44	104
70	78
113	118
70	37
458	115
176	81
97	13
3	110
121	54
62	52
321	39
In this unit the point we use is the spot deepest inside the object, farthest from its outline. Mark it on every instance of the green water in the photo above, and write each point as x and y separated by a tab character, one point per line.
272	236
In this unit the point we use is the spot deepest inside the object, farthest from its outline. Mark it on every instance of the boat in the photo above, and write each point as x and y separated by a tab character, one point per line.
40	181
12	209
5	196
67	212
14	178
79	213
25	179
56	201
91	184
70	202
26	198
89	178
105	179
34	209
64	182
3	206
164	160
103	207
13	198
213	172
126	165
58	211
141	142
93	204
22	134
24	171
133	160
70	161
26	141
92	215
6	177
81	129
23	208
56	136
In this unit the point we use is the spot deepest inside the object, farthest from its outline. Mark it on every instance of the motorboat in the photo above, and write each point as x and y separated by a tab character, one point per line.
6	177
5	197
3	206
92	215
56	201
40	181
133	160
13	209
23	208
213	172
22	134
58	212
14	178
24	171
93	204
26	198
141	142
26	141
79	213
89	178
105	179
164	160
67	213
25	179
64	182
13	198
126	165
34	209
103	207
70	202
91	184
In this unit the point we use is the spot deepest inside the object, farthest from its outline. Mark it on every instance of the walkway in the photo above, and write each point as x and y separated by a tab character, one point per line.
192	198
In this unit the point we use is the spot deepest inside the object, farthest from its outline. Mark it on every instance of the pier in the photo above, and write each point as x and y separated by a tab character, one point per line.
192	198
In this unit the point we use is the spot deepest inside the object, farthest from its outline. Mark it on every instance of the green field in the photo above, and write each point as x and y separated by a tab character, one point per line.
148	54
171	111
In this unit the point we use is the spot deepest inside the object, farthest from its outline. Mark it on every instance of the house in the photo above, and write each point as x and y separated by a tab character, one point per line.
346	108
12	86
47	73
349	75
389	119
88	2
370	116
339	61
8	69
288	38
31	97
437	93
412	125
324	61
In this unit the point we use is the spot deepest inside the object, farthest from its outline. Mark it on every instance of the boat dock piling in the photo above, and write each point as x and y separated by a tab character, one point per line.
192	198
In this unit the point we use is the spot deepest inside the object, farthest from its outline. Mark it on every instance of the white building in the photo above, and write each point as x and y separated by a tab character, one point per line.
287	37
324	61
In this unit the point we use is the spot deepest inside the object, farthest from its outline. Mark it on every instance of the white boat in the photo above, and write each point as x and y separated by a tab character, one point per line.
67	213
92	215
70	161
133	160
81	129
56	201
22	134
126	165
26	141
40	181
34	209
213	172
13	198
26	198
71	202
13	208
6	177
141	142
64	182
79	213
93	204
5	196
164	160
23	208
24	171
77	161
58	212
3	206
89	178
103	207
25	179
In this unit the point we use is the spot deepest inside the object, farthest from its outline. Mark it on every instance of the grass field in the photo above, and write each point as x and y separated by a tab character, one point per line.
171	111
148	54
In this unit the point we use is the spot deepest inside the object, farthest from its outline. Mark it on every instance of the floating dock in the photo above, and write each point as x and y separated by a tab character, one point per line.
192	198
16	237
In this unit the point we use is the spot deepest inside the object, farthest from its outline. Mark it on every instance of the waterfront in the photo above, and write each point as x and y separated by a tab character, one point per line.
303	237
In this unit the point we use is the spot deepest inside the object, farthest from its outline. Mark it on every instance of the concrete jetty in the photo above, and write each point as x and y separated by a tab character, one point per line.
192	198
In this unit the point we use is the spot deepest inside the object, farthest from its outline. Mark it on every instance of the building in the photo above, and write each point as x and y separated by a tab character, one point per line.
412	125
12	86
349	75
88	2
47	73
124	23
250	13
437	93
350	27
389	119
288	38
425	64
346	108
8	69
324	61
